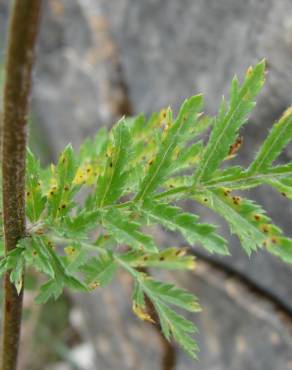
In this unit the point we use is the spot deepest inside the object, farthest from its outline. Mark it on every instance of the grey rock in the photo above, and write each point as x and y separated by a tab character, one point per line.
241	330
77	85
121	341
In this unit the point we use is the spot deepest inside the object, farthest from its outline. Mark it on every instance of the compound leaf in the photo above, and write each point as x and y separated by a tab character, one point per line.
176	135
229	121
174	218
126	231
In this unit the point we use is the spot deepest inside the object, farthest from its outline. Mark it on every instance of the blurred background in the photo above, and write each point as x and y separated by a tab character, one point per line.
100	59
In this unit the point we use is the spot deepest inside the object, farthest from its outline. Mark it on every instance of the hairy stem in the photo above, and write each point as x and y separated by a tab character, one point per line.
23	29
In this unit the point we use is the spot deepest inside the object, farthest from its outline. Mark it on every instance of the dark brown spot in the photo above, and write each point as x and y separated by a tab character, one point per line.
257	217
236	200
161	259
236	146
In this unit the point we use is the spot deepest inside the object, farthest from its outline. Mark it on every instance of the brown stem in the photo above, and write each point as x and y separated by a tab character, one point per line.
23	29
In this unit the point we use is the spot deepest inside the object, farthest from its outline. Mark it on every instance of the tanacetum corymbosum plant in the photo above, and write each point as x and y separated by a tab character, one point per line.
133	177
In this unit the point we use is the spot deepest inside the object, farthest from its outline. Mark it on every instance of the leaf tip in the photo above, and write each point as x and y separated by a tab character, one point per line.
287	113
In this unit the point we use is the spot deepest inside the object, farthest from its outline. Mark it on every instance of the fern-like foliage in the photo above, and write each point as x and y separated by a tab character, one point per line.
92	213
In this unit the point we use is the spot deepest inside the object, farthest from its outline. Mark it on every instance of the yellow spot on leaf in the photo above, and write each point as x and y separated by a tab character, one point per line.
249	71
84	175
287	113
69	250
94	285
191	264
142	314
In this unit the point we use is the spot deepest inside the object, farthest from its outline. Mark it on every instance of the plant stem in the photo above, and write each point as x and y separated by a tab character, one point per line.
23	29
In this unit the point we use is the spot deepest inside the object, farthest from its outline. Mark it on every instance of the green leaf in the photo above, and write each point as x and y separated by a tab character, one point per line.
187	224
171	294
111	184
93	149
188	157
237	178
3	267
138	296
126	231
178	327
100	271
82	223
278	138
282	248
76	257
247	220
61	275
74	283
161	294
170	258
35	200
229	121
16	275
243	216
36	255
14	262
12	257
176	135
51	289
284	186
60	194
